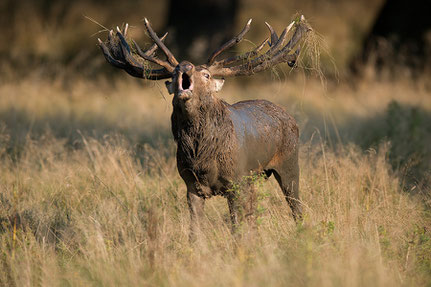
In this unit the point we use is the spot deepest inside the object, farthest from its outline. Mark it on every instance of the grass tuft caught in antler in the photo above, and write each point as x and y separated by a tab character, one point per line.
313	46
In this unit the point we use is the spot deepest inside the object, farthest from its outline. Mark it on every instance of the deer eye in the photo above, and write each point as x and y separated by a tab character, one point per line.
206	75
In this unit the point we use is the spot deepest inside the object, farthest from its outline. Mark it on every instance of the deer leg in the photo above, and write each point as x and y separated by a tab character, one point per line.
289	184
196	207
287	177
235	207
250	203
242	205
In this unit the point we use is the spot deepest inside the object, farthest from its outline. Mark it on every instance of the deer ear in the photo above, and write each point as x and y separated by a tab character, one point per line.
218	84
170	87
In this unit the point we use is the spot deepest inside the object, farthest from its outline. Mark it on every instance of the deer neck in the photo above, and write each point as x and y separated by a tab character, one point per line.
209	118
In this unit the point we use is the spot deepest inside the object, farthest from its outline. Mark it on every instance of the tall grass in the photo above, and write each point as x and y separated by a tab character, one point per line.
90	195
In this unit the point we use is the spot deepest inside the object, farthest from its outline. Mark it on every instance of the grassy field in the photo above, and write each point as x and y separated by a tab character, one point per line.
90	194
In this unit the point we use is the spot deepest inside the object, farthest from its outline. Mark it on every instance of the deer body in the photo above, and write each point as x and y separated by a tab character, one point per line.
218	144
221	148
265	132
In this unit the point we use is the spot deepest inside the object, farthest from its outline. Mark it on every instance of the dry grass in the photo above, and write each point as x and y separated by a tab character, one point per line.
90	194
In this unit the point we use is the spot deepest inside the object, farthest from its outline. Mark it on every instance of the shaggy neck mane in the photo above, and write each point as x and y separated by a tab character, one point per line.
204	136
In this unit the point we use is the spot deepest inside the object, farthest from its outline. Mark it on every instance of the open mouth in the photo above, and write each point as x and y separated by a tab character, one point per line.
185	83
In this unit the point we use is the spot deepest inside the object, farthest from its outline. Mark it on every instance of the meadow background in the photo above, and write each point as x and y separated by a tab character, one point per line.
90	194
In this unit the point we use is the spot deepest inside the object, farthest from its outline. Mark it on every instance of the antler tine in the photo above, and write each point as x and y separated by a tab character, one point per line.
280	56
235	40
126	29
159	43
247	55
125	48
118	53
148	55
150	51
277	53
153	48
274	37
296	37
276	45
276	42
109	57
133	70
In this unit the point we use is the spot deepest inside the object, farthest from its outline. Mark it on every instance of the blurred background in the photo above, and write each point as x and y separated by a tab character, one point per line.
58	35
375	58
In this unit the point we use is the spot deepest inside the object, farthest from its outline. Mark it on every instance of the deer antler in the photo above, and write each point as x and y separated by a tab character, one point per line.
276	54
118	53
230	43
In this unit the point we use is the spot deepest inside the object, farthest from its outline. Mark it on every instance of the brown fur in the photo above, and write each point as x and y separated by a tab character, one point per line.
219	144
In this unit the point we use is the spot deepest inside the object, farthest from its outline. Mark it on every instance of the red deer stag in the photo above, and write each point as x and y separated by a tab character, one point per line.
219	144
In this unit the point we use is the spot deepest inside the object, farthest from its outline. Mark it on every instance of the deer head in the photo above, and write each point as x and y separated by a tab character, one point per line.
190	84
